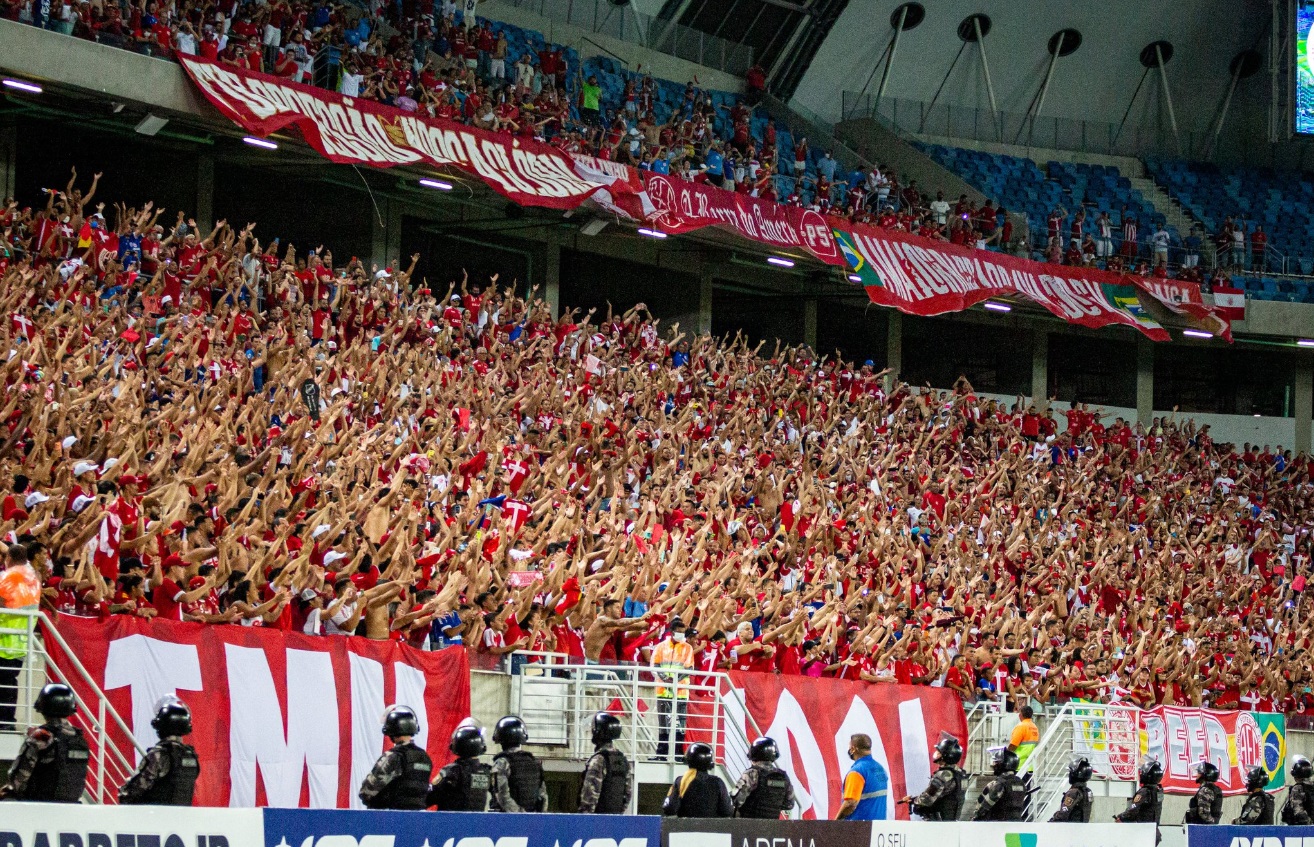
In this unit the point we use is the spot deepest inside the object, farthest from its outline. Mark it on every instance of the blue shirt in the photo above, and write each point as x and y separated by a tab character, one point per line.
875	790
448	621
826	167
714	161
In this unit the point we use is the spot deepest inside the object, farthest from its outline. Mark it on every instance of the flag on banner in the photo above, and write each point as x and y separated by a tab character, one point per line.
1180	736
1230	302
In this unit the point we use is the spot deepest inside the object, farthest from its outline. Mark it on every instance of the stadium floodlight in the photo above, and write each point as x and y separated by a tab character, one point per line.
854	278
436	183
1197	333
651	233
260	142
997	307
1305	342
780	262
19	85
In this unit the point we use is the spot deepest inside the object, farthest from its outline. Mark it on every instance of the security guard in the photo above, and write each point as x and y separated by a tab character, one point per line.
1146	804
464	784
400	778
167	776
943	798
517	774
51	766
1078	799
1207	805
699	793
1258	808
1299	808
764	790
1004	796
606	788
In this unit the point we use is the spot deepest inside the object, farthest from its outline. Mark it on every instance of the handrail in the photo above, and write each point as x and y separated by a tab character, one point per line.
50	629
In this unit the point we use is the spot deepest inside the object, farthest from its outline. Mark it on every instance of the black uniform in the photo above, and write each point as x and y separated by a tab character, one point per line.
1003	799
701	796
943	798
166	777
399	780
606	786
1075	807
51	766
518	783
1206	806
462	786
1257	810
1300	802
1145	806
763	792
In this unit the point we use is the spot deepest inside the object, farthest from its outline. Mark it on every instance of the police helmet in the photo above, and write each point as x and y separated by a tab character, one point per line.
947	750
764	749
606	727
1206	772
1301	768
699	756
467	742
510	732
172	718
1079	770
1004	761
56	700
1151	772
399	721
1256	777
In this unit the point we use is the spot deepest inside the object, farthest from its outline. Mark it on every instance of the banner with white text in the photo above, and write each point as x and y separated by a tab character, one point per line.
77	825
280	718
1181	736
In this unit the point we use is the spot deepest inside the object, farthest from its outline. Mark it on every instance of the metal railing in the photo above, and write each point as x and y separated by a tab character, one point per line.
625	23
661	710
985	729
105	730
1104	734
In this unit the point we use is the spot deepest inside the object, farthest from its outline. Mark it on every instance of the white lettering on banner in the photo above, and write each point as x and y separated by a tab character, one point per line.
477	841
150	669
256	738
1271	841
916	755
348	841
366	706
792	733
75	825
859	719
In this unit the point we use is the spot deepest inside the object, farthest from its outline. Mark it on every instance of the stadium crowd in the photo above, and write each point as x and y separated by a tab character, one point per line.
199	428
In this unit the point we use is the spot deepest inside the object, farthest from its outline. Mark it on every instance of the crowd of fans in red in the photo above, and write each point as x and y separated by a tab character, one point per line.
199	428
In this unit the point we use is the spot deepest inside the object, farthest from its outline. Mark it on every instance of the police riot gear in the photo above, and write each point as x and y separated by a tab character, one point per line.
408	769
1003	799
764	750
943	798
56	700
606	727
1258	807
463	786
401	721
510	732
1206	806
1077	800
467	742
698	794
525	777
168	774
770	796
699	756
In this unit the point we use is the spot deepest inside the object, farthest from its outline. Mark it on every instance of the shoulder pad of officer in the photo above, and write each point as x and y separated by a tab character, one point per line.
40	734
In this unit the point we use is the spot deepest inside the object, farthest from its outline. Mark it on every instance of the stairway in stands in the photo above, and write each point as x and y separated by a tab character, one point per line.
1177	217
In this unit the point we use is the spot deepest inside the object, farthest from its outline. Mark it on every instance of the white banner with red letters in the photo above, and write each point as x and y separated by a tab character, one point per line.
811	721
280	718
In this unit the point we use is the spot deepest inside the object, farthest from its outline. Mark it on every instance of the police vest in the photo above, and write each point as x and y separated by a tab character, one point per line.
1209	797
1082	798
700	798
1258	810
467	790
1012	804
411	787
767	800
525	780
1151	804
1299	794
60	774
950	804
175	788
613	798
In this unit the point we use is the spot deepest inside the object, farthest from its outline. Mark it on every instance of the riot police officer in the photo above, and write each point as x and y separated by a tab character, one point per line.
51	766
400	778
517	774
1207	805
943	798
1004	796
167	776
464	784
606	788
1077	800
764	790
1258	807
1146	804
1299	808
698	793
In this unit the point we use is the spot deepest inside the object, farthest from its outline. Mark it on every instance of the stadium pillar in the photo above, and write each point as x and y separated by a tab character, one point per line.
810	323
205	192
705	300
894	346
552	275
1144	381
1040	369
385	234
1304	406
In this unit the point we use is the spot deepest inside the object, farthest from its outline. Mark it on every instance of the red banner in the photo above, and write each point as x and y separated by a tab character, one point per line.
280	719
1179	737
356	131
811	721
680	206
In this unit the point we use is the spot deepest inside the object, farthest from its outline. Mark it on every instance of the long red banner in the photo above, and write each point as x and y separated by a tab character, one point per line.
811	721
907	272
280	719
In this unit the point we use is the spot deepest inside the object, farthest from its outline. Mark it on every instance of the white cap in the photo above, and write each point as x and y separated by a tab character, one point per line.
35	498
69	441
320	530
332	556
84	467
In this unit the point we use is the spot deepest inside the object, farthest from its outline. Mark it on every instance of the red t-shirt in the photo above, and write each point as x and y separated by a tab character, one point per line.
166	599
